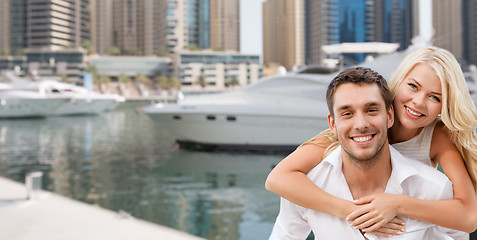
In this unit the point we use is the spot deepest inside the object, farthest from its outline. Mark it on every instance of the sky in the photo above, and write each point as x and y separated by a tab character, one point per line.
251	27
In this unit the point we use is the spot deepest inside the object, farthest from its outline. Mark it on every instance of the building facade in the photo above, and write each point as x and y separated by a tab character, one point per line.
131	66
225	24
101	25
68	64
4	27
133	27
470	31
218	70
448	26
322	28
52	24
203	24
284	32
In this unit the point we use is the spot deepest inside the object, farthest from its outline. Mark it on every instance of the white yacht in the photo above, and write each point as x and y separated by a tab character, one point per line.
276	113
16	103
82	101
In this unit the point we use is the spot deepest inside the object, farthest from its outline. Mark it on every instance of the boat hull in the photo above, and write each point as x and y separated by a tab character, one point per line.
31	107
86	106
240	131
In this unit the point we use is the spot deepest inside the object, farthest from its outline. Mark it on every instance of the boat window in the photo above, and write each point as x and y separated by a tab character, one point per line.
176	117
231	118
210	117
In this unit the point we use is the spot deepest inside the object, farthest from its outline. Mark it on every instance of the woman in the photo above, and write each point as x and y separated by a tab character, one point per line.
435	123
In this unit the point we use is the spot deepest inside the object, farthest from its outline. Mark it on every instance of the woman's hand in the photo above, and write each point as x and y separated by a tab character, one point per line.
374	212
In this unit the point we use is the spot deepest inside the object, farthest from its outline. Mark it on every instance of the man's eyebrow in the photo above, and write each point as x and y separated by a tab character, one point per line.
370	104
344	107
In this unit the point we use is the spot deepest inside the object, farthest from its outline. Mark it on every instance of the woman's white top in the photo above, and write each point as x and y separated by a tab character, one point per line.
418	147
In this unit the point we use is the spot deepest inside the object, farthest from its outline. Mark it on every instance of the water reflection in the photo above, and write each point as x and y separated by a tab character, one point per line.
123	161
220	196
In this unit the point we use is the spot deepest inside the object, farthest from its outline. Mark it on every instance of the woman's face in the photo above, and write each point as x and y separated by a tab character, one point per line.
418	98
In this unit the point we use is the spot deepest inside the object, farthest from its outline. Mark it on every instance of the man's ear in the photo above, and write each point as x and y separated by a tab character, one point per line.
331	123
390	116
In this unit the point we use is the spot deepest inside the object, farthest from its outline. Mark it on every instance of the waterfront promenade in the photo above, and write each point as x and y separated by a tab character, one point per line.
51	216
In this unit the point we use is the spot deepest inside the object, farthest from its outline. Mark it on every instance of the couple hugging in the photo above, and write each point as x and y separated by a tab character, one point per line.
372	174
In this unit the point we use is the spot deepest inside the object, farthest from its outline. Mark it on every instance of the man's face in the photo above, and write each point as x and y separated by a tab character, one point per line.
360	120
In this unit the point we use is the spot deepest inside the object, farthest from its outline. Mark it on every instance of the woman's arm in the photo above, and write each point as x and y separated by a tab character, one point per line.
460	213
288	179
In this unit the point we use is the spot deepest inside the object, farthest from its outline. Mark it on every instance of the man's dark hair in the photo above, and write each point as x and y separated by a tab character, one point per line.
359	76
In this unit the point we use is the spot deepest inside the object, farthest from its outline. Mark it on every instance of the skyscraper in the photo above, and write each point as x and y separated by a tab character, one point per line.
49	24
470	31
393	21
284	32
203	24
447	22
102	25
225	24
136	27
4	27
322	28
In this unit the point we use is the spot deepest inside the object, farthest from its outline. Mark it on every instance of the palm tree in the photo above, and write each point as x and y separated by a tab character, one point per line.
234	81
174	82
113	50
201	81
124	78
163	82
143	78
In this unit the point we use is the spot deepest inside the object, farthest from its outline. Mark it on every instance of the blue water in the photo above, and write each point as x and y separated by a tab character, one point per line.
124	161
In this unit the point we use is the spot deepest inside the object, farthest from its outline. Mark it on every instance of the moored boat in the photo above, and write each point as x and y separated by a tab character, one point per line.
16	103
83	101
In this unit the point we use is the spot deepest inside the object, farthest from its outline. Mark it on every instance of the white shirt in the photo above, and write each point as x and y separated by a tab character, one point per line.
408	177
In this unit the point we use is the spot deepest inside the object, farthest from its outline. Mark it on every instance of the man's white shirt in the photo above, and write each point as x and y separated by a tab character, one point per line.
408	177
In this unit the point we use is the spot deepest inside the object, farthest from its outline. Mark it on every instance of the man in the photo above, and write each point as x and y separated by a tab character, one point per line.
360	114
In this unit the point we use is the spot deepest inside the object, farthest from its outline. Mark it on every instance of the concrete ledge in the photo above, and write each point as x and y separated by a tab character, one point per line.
51	216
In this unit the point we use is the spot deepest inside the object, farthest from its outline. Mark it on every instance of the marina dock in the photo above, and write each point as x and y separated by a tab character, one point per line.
50	216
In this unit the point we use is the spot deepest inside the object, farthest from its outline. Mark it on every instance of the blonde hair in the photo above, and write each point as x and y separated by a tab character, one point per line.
458	112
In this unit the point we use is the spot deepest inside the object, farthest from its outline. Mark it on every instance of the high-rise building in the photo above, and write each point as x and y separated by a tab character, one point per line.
49	24
322	28
4	27
448	26
284	32
203	24
197	23
136	27
225	24
470	31
102	25
357	24
18	32
338	21
393	21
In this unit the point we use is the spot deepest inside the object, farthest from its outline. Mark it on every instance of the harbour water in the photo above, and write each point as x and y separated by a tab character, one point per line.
124	161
